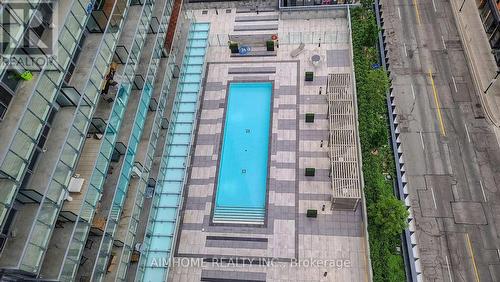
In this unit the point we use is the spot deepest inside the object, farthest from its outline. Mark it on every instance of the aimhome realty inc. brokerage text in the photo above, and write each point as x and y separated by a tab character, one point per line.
235	262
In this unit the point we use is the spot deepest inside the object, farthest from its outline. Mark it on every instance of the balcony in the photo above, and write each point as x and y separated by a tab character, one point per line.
16	245
21	132
123	252
97	178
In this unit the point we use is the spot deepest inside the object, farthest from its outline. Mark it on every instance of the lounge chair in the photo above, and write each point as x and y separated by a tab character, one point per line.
297	51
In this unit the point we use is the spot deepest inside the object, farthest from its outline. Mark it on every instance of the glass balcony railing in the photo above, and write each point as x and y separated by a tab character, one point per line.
99	270
37	112
52	201
162	222
87	211
122	187
137	209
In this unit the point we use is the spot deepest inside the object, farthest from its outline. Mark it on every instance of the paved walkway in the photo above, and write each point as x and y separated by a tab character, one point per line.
335	239
479	57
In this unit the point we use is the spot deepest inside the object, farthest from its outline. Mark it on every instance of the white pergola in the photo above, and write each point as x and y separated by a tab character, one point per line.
343	143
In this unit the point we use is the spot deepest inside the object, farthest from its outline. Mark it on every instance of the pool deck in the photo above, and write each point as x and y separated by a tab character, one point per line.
334	237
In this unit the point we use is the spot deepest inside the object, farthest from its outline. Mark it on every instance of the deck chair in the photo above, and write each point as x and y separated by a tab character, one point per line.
297	51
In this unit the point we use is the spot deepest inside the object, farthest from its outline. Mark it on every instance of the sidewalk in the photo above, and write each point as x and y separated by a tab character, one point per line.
479	57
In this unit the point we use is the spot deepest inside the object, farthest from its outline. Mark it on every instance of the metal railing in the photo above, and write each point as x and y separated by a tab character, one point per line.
407	247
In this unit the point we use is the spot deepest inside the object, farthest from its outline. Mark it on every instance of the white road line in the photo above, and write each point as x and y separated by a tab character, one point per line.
434	5
449	270
404	46
454	83
498	251
467	132
422	140
482	190
399	13
412	91
444	44
434	198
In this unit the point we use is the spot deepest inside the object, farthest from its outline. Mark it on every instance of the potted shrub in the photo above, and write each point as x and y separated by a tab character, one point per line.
309	117
309	76
234	47
312	213
270	45
310	171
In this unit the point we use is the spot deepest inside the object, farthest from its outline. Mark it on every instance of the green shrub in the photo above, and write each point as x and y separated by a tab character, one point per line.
270	45
312	213
234	47
309	76
387	216
310	171
309	117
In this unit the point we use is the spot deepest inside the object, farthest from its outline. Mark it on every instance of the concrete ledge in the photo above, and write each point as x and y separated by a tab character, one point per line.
256	18
256	27
257	54
260	70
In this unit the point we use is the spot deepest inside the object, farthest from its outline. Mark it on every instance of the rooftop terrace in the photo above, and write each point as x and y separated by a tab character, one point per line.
337	236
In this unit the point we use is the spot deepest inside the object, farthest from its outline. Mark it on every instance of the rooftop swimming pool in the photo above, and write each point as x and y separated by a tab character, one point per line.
243	166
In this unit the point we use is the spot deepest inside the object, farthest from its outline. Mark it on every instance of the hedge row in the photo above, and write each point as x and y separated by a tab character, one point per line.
387	216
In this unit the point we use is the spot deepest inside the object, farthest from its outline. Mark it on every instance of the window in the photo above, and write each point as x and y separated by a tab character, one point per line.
10	80
495	39
3	110
5	97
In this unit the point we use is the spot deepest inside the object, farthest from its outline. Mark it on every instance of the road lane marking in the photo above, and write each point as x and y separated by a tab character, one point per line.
438	109
434	5
422	140
482	190
444	44
399	13
404	47
434	198
498	252
467	132
449	270
454	83
416	11
472	257
412	91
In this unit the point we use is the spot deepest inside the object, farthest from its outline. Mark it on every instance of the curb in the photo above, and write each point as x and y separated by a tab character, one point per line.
472	68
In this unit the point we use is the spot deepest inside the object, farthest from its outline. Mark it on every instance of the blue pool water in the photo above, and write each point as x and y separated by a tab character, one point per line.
242	180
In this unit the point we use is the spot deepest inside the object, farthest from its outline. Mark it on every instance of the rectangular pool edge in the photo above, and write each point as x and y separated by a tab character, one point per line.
242	222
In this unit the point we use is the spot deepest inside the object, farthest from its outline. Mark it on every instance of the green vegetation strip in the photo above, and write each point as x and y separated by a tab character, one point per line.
387	216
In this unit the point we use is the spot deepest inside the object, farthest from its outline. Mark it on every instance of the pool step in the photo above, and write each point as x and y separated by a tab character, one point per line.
239	215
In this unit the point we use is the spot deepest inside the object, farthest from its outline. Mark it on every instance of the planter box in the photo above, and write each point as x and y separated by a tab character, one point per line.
234	48
312	213
309	76
310	171
270	45
309	117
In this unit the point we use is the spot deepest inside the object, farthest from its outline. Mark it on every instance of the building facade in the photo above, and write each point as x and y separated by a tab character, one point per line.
489	10
111	116
84	107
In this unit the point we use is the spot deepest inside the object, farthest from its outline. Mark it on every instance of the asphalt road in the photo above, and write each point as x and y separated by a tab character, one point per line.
451	153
